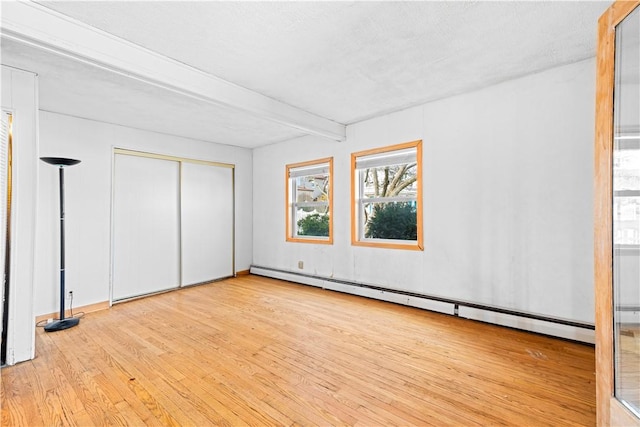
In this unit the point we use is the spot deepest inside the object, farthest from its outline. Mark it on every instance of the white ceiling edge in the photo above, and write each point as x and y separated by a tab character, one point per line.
47	29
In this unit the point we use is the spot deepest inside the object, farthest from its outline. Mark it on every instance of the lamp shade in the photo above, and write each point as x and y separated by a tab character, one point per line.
60	161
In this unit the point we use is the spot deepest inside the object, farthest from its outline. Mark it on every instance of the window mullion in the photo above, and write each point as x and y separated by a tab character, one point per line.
361	213
394	199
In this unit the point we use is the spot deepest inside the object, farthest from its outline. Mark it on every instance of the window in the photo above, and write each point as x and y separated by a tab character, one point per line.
386	189
310	201
626	194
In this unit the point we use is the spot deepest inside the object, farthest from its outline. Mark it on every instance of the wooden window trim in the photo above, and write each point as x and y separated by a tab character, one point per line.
418	246
287	201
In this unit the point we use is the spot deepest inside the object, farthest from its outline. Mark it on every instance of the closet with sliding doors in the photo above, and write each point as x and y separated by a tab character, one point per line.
172	223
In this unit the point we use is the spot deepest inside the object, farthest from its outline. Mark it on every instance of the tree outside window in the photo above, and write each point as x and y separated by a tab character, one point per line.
387	200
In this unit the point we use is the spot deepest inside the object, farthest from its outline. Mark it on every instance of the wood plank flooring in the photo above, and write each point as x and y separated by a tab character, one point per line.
256	351
628	365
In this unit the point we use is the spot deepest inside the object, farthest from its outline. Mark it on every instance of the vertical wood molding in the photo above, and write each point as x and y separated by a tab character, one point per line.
603	219
603	244
352	203
419	210
287	213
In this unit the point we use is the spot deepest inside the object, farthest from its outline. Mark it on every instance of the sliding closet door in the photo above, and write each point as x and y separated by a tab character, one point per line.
146	228
207	222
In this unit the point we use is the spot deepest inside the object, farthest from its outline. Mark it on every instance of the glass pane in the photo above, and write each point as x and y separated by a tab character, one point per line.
626	212
312	188
391	181
312	224
395	220
311	209
626	224
626	167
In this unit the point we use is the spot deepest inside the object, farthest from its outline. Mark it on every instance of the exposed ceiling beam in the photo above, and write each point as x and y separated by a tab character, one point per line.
44	28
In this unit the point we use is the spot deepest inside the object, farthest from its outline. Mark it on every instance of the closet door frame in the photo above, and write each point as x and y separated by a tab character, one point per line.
6	152
180	160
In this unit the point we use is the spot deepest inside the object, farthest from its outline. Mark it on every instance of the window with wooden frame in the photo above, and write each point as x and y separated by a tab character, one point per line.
386	197
310	201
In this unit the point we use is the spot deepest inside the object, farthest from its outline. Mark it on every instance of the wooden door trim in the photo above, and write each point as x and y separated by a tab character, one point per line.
603	244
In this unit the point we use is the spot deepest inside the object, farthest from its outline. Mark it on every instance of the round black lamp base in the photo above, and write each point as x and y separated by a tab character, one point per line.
58	325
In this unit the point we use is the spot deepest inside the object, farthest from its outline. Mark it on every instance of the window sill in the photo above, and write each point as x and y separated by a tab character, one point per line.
413	246
319	241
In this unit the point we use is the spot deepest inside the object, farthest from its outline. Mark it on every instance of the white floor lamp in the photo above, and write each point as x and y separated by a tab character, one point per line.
61	323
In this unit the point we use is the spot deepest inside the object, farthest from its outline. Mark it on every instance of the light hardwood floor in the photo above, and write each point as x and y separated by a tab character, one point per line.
258	351
628	380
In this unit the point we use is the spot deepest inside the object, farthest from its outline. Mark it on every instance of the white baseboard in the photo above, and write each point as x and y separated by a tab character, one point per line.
551	328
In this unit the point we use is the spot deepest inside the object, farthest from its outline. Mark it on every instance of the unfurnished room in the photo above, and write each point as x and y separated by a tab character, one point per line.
320	213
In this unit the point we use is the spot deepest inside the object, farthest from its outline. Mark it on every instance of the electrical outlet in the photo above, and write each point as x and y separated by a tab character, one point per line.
300	265
69	294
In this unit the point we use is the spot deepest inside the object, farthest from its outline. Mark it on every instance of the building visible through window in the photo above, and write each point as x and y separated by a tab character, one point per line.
309	201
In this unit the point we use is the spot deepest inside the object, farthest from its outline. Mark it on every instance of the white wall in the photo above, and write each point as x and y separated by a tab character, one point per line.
88	202
507	198
20	97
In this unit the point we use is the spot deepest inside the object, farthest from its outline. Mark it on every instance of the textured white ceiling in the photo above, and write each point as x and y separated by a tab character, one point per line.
345	61
78	89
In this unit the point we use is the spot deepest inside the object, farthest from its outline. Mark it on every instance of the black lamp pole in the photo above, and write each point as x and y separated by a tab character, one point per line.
61	323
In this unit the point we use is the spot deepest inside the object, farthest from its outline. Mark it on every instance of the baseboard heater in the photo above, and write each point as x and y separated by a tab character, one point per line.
532	322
